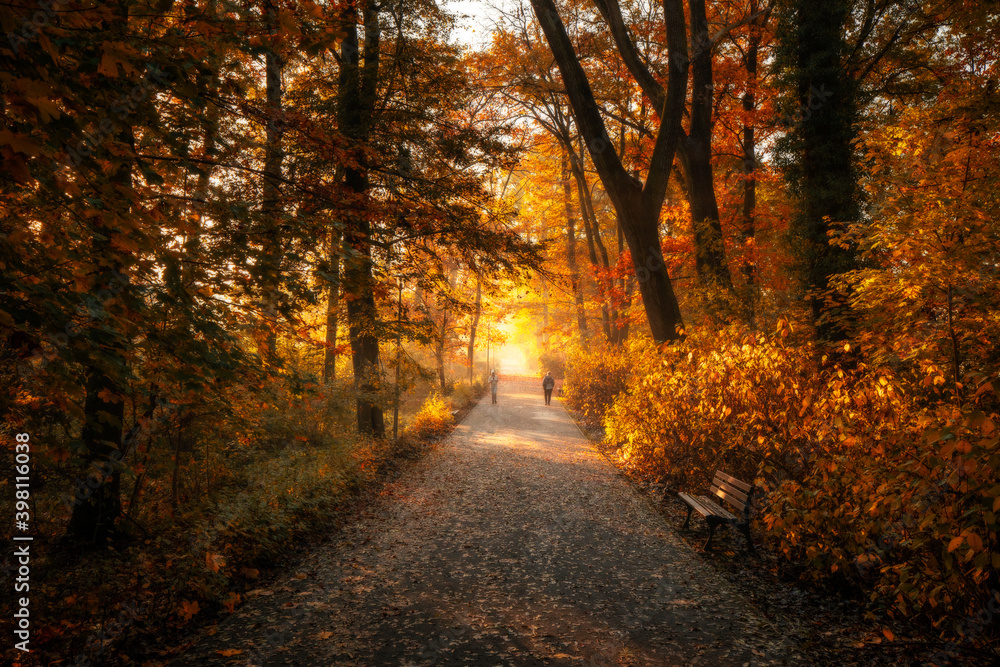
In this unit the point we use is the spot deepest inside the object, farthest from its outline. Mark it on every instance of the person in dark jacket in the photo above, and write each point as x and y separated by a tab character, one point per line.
548	383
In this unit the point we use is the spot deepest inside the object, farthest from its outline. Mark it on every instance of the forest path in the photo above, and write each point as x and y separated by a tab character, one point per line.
513	543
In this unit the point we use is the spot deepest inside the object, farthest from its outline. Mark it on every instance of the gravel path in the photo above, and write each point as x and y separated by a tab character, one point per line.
513	543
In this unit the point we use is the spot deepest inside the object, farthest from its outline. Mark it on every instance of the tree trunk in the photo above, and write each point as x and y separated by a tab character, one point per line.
627	288
544	333
696	156
97	508
356	99
97	499
636	205
439	350
332	311
639	226
271	199
593	237
748	229
824	177
472	329
574	273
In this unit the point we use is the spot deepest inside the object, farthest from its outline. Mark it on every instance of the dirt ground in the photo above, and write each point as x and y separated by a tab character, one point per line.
513	543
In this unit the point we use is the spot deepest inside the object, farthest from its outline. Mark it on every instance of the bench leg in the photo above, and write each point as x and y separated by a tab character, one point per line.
711	531
745	527
687	521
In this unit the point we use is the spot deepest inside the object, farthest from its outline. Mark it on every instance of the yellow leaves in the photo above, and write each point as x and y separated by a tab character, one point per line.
189	609
434	418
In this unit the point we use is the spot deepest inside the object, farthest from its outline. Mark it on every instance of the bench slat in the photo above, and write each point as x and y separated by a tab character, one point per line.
732	500
696	502
717	509
743	486
730	489
706	507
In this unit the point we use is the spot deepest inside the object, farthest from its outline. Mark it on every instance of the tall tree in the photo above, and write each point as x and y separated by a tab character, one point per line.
695	146
357	95
332	307
574	274
271	208
636	204
820	165
471	356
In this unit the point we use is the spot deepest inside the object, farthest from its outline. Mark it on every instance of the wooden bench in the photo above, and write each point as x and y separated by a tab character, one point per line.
733	491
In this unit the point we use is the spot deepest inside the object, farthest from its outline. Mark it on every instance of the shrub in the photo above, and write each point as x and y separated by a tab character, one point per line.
433	419
464	393
555	362
595	376
866	480
911	517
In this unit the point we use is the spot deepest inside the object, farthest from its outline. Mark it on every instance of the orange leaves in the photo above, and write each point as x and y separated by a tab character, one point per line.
19	143
214	562
972	539
189	609
893	485
108	66
231	601
108	397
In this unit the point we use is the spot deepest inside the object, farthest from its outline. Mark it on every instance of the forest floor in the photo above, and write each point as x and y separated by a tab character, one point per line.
514	542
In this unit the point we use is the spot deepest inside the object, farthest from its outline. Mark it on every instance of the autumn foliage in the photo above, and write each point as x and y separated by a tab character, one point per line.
870	476
433	419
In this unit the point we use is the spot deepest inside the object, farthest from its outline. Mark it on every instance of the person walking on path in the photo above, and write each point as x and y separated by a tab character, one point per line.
494	380
548	383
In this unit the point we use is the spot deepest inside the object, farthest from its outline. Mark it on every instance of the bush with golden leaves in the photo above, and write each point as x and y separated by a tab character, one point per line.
434	418
868	478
